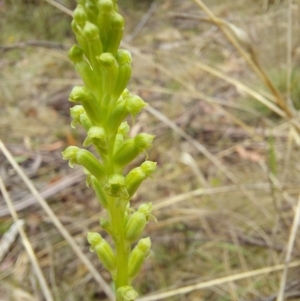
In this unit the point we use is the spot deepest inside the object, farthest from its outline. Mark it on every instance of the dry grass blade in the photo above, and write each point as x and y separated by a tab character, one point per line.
9	237
242	87
290	246
206	153
205	191
39	274
106	288
60	7
219	281
249	58
192	141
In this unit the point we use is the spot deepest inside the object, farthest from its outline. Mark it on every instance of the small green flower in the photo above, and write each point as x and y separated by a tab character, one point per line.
126	293
116	186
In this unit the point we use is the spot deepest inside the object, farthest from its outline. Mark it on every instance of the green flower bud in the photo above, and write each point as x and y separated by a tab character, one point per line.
80	38
83	68
138	256
105	224
137	175
75	155
91	33
89	102
97	136
103	250
115	34
124	60
100	194
75	54
115	186
134	104
135	226
79	15
132	148
106	8
109	68
92	11
126	293
143	141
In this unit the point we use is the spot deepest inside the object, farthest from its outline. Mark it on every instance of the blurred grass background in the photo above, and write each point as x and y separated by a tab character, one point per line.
228	166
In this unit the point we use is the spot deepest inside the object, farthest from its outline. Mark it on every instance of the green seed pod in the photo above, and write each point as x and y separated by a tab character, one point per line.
124	60
103	250
137	175
117	115
126	293
138	256
106	8
132	148
97	136
101	196
75	155
135	226
79	15
115	186
126	152
115	34
134	104
109	68
89	102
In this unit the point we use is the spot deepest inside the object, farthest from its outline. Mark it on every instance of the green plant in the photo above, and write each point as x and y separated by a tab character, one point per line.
105	103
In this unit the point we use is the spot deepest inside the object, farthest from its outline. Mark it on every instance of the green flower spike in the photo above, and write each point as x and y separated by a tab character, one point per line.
104	105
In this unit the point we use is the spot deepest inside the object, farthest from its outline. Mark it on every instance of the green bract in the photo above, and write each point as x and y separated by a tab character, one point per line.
104	105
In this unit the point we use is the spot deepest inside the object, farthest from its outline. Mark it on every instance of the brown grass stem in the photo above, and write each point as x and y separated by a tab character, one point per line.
26	243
